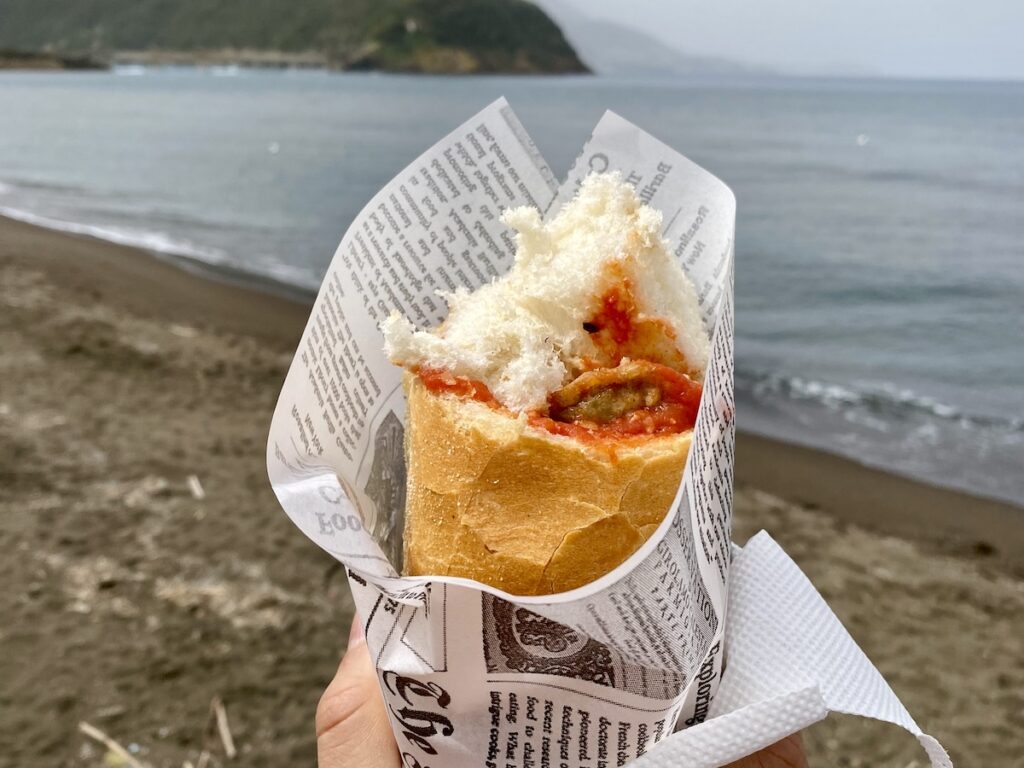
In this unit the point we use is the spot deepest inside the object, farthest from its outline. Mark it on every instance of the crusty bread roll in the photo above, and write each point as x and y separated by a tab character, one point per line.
491	498
550	415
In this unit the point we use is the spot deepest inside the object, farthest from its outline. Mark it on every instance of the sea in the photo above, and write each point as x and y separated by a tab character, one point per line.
880	233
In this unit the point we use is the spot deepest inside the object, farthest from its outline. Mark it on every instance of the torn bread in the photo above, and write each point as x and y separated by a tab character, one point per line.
493	499
550	415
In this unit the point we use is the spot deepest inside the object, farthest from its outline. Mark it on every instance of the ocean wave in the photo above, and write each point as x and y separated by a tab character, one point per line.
273	272
877	400
150	240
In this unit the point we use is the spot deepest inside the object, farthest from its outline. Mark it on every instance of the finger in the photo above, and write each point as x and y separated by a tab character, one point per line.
788	753
352	725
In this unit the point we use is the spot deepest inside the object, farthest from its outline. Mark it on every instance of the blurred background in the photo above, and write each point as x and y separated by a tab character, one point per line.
175	176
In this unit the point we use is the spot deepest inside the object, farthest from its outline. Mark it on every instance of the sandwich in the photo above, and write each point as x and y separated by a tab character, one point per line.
550	415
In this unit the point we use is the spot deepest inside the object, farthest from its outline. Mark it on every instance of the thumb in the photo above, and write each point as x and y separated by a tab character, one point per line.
352	728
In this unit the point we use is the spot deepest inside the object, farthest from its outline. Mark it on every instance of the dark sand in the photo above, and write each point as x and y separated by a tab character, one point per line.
130	602
941	519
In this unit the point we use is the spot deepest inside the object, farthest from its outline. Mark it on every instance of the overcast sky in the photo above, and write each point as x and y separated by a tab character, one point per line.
908	38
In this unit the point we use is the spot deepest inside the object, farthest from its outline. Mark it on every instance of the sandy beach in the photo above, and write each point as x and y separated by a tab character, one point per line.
149	569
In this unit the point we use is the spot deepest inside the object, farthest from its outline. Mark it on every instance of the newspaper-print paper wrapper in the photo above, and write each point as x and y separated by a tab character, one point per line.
605	674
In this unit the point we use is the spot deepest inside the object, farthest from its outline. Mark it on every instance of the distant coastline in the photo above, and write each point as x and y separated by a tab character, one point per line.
449	63
224	57
34	60
437	62
413	36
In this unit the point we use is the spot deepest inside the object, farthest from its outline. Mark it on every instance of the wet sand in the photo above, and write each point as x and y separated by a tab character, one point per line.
941	519
148	567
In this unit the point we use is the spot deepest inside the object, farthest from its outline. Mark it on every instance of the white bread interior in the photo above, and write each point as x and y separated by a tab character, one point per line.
522	335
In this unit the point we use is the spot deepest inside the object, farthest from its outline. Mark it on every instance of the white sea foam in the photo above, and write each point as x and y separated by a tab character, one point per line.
915	400
832	396
158	242
891	427
866	420
292	276
163	243
874	401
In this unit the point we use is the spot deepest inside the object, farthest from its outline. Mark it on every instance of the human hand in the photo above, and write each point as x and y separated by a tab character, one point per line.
352	728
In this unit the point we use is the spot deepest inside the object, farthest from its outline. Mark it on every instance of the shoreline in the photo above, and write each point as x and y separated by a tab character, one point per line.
176	289
947	520
157	286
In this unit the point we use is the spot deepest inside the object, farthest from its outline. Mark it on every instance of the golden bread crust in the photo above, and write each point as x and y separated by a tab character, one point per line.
493	499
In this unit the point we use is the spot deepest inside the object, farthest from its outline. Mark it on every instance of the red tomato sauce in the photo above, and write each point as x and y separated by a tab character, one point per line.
441	381
677	412
616	331
618	308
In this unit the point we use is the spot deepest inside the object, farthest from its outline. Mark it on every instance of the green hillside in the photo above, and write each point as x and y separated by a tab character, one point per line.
397	35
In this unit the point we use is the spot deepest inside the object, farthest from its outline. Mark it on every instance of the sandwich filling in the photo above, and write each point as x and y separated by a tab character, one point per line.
595	333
